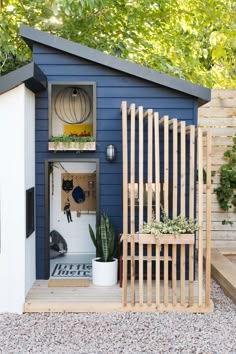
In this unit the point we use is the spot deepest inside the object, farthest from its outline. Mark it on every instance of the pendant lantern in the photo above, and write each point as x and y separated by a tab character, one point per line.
72	105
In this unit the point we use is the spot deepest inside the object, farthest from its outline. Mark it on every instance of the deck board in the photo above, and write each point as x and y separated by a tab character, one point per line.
42	298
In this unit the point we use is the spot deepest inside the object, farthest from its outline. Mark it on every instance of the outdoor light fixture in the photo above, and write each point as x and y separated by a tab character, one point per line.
110	152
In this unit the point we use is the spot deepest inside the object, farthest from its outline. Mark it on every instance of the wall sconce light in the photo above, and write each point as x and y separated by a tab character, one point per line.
110	152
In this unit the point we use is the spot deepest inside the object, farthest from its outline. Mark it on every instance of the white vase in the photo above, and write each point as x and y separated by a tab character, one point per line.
104	273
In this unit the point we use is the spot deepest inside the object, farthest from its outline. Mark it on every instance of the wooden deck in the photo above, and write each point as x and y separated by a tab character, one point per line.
42	298
223	269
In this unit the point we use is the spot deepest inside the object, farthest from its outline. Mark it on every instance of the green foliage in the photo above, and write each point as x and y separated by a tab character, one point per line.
227	222
192	39
176	226
71	139
226	192
104	241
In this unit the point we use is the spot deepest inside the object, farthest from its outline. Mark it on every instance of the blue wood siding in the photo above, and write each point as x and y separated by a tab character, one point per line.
111	87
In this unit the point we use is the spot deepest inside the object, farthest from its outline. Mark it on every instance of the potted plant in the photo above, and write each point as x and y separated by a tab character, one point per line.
104	266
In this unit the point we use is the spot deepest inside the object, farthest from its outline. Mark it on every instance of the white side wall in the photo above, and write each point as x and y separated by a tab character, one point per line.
16	107
30	254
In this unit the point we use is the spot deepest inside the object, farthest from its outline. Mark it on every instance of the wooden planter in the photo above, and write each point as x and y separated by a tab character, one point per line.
73	146
167	239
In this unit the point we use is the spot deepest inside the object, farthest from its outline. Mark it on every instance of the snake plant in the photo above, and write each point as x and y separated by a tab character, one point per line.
104	241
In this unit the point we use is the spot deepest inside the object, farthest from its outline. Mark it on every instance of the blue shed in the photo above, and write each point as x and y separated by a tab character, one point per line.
68	78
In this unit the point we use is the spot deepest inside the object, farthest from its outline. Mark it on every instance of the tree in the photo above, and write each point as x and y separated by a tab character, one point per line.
192	39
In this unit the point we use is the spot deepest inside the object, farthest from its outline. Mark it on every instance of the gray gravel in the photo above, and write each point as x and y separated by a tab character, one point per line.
123	332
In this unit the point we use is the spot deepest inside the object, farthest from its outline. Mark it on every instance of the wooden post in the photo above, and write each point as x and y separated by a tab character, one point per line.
166	202
166	164
149	205
191	205
125	198
132	202
157	165
200	215
157	200
208	220
183	168
175	205
166	273
140	115
182	208
157	275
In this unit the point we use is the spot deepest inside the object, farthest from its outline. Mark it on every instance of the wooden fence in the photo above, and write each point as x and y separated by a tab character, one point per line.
153	293
219	117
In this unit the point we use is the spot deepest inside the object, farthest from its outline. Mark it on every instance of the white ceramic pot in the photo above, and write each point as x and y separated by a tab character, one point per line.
104	273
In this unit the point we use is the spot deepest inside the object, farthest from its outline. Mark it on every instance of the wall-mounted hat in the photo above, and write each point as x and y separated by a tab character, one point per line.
78	195
67	185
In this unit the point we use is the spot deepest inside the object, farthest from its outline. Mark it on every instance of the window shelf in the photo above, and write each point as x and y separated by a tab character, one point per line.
73	146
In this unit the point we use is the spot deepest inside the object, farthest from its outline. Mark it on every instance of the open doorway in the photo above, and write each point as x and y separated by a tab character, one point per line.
73	206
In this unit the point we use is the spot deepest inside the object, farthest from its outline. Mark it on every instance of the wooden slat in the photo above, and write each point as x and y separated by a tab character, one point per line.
149	275
132	201
182	205
140	117
150	162
174	282
149	205
191	206
200	216
175	204
166	201
208	222
191	274
157	200
166	164
166	274
157	275
175	167
141	274
214	112
125	198
157	165
182	275
183	168
217	122
227	132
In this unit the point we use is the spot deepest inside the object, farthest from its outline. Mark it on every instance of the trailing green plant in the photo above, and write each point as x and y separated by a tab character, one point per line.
71	139
104	240
176	226
226	192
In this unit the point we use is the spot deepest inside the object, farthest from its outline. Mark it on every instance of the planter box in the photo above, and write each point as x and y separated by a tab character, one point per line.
169	239
73	146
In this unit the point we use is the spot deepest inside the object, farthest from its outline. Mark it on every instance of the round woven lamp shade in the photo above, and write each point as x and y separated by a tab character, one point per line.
72	105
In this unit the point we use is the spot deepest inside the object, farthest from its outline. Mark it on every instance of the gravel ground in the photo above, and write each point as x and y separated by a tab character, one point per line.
123	332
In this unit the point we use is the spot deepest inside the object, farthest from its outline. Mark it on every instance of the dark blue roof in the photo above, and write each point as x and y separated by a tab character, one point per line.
30	75
32	35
